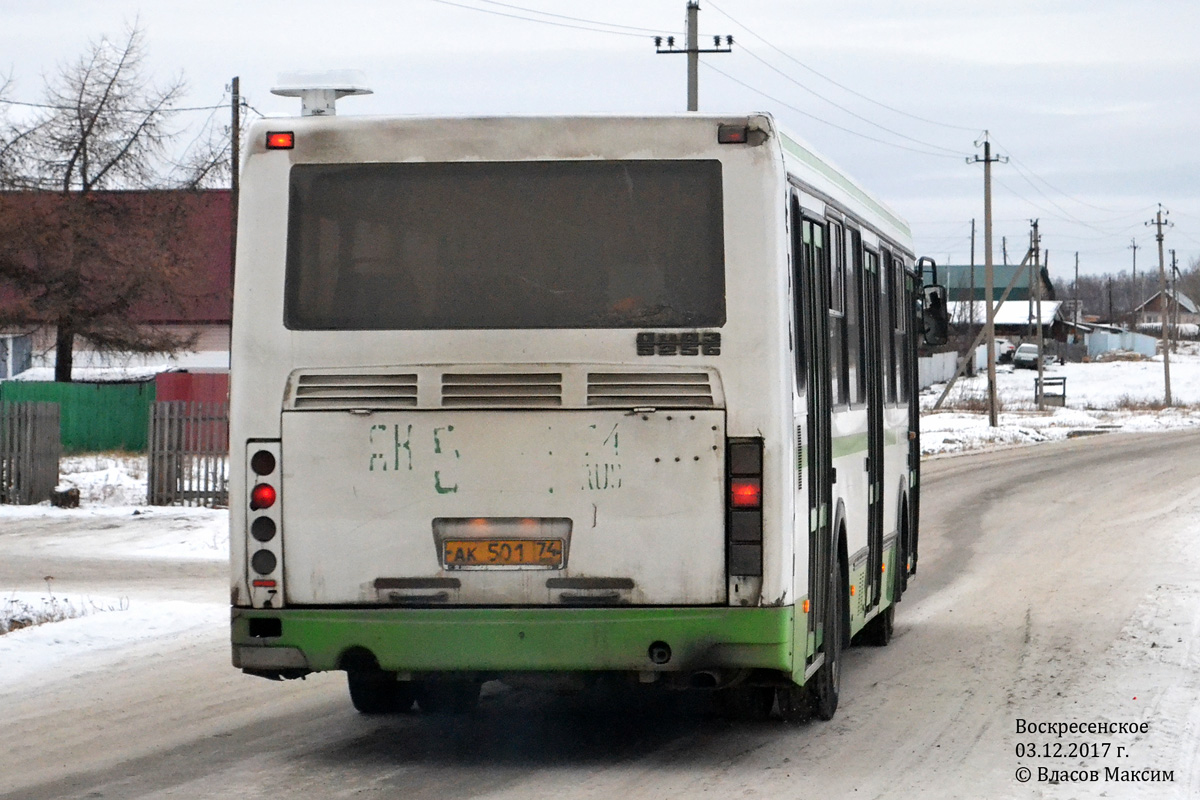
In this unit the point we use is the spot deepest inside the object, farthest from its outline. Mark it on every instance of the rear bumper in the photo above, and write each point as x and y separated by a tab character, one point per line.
507	639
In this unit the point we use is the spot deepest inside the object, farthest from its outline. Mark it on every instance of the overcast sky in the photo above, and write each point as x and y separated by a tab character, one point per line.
1094	101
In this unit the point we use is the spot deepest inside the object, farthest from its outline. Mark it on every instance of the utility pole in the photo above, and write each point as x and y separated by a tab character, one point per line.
1078	302
1041	339
693	51
1137	293
988	270
235	135
962	362
972	325
1158	223
1175	298
1004	250
1031	273
234	157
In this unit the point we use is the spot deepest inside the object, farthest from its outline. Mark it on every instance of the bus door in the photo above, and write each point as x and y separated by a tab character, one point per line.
873	320
909	549
812	375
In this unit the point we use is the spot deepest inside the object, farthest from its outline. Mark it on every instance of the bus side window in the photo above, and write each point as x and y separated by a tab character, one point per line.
857	376
801	235
901	301
861	316
838	382
887	341
817	254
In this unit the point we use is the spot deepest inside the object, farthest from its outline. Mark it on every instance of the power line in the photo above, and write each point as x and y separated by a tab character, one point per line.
841	86
813	92
573	19
1050	214
542	21
1050	200
124	110
1028	174
825	121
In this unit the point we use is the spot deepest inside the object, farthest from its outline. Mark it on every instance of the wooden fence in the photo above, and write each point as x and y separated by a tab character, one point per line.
189	454
29	451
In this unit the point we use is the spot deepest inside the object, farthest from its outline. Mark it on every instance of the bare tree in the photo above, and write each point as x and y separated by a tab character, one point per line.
72	258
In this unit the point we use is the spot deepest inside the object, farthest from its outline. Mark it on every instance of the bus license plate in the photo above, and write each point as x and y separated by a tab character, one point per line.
485	553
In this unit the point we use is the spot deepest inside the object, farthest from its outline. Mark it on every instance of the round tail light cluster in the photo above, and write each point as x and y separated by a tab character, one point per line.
263	498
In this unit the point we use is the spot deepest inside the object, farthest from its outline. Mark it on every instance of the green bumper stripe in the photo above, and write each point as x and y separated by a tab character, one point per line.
533	638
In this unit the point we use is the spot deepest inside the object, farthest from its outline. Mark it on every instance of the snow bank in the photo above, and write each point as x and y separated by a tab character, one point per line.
174	534
1119	395
105	479
99	638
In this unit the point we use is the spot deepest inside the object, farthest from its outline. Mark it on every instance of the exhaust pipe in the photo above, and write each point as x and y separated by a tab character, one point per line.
659	653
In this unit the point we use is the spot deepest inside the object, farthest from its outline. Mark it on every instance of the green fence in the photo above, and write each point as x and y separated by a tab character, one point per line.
93	416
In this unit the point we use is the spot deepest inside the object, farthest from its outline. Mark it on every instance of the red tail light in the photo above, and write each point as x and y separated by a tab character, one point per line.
744	524
745	492
262	496
281	140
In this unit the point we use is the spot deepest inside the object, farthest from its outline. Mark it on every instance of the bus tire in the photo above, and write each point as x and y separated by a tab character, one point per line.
826	684
878	632
447	696
378	692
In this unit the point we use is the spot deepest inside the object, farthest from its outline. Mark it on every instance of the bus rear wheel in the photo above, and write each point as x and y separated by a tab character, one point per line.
826	684
378	692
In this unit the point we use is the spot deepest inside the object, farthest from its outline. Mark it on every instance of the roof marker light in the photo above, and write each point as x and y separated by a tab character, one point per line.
281	140
732	134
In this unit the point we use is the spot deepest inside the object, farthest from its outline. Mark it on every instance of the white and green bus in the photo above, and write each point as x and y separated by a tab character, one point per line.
593	395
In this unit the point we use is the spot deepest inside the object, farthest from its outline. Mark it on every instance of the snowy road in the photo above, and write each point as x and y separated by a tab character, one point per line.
1058	583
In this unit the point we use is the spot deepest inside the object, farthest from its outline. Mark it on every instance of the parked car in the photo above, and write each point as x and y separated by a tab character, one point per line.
1004	350
1025	356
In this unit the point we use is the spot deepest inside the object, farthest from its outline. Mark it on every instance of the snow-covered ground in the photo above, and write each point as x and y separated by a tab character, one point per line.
1103	396
88	626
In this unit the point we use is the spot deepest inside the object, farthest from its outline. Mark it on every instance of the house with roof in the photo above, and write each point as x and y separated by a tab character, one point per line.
1182	309
969	281
1013	319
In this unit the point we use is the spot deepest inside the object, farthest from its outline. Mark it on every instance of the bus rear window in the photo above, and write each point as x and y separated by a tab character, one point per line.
534	244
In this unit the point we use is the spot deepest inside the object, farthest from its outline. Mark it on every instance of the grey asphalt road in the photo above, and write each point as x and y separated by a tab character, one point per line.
1056	583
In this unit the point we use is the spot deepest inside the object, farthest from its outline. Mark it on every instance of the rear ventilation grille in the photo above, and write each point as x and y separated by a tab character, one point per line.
502	390
649	389
326	391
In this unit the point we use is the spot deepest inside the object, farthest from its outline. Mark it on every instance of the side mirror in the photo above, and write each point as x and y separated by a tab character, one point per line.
935	317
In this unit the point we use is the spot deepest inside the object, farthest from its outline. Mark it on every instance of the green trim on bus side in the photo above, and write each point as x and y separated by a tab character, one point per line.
517	639
858	579
811	159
